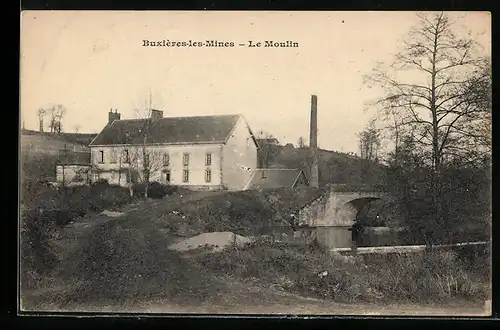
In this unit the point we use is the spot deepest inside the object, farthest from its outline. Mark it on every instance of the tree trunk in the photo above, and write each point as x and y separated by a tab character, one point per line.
131	191
145	165
436	163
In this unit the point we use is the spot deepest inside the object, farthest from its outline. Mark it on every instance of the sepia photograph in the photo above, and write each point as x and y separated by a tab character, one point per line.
255	162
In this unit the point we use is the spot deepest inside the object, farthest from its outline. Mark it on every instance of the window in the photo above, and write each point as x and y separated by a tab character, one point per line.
101	156
185	159
126	156
112	158
208	175
208	159
186	176
167	176
166	160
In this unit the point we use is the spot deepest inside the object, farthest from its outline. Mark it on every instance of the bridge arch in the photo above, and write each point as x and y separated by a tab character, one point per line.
337	209
350	210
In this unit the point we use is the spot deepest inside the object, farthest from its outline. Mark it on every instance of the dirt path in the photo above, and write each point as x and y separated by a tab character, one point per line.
251	300
84	225
245	298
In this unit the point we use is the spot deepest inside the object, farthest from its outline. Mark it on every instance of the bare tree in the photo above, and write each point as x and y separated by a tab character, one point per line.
150	161
475	133
369	142
76	128
369	145
41	112
432	103
57	113
302	142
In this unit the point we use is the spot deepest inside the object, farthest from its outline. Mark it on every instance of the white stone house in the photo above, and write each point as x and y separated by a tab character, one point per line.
199	152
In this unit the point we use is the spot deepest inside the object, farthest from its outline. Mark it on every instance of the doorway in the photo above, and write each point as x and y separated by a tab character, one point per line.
166	176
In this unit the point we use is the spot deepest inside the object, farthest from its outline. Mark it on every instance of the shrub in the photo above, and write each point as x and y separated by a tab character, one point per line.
68	203
112	196
156	190
123	262
36	251
101	183
60	217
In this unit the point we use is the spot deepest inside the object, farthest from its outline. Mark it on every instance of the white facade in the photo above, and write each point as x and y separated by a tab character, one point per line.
198	166
73	174
239	157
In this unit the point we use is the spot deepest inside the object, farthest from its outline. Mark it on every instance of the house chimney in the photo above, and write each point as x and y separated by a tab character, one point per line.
313	142
156	114
112	116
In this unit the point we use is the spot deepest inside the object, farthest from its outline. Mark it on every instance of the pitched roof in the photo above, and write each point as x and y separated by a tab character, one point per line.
169	130
272	178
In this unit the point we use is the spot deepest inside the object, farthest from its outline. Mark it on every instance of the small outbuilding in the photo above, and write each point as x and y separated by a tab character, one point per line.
73	168
273	178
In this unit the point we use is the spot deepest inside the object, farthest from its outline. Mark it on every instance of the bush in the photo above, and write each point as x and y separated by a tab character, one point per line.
68	203
61	217
101	183
37	255
103	197
122	263
156	190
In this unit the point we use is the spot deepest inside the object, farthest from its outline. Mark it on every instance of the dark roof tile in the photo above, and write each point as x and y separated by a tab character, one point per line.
169	130
273	178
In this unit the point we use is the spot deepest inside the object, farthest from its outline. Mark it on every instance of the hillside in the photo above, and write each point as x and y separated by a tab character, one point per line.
41	151
48	143
334	167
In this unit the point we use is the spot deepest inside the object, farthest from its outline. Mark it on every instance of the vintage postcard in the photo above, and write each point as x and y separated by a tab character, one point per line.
204	162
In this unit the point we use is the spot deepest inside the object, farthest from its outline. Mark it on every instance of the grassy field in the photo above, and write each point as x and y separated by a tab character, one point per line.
124	264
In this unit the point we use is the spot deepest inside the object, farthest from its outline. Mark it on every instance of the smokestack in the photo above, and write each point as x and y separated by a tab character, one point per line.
313	142
313	130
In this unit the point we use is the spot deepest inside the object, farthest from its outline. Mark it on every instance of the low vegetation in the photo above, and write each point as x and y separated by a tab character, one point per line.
123	263
46	208
437	276
245	213
126	260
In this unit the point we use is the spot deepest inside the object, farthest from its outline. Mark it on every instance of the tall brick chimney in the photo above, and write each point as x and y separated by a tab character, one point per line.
112	116
313	130
313	142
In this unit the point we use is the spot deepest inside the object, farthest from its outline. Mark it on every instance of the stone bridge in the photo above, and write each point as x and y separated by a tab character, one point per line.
337	208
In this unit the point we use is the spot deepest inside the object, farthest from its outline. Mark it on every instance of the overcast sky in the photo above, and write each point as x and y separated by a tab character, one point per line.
93	61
